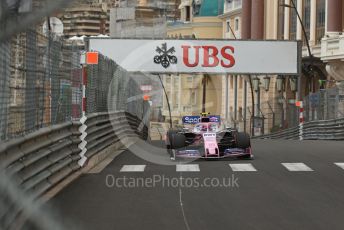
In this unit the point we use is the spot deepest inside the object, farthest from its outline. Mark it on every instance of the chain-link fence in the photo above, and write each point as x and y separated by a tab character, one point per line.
280	113
40	83
111	88
270	116
324	105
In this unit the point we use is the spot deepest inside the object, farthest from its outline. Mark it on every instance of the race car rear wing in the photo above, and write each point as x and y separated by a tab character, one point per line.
192	120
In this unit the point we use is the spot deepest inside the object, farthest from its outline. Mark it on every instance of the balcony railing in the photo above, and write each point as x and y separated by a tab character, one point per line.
332	48
234	5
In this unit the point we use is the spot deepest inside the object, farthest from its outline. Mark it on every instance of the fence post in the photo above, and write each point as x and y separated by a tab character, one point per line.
301	120
83	127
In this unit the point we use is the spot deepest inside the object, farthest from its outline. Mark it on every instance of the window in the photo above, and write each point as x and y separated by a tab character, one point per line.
307	18
175	101
187	13
176	83
280	30
233	4
240	113
165	101
168	79
193	98
320	32
229	5
236	24
228	26
293	22
237	4
240	80
231	80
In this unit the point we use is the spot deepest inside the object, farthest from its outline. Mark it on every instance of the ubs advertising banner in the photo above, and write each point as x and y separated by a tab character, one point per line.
202	56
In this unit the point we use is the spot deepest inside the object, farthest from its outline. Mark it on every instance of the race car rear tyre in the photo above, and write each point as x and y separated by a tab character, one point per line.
243	140
178	141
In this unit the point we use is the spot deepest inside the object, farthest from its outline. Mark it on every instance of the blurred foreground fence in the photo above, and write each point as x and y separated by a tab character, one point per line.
40	80
44	136
41	85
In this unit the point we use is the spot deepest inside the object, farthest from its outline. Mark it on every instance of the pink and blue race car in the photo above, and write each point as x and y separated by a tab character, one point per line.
204	138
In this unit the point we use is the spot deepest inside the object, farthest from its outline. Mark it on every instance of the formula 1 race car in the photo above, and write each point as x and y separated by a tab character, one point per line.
206	139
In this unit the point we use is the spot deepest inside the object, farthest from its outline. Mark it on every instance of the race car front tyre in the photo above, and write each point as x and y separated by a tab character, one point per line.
247	157
243	140
170	133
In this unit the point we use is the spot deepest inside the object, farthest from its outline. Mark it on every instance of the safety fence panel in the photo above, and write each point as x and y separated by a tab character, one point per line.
40	83
111	88
280	113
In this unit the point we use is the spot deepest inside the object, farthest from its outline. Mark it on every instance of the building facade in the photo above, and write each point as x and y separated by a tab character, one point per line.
86	19
186	91
142	18
274	99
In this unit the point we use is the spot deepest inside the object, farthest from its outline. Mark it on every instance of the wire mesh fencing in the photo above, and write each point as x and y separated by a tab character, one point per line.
40	83
269	116
281	113
110	88
324	105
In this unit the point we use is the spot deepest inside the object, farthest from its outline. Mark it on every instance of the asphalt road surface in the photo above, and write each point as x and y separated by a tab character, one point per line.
289	185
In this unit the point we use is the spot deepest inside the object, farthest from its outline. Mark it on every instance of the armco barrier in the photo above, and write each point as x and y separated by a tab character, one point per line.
104	129
314	130
39	161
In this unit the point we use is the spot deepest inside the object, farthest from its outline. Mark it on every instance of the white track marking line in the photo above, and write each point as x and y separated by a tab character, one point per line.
187	168
103	164
341	165
133	168
243	168
297	167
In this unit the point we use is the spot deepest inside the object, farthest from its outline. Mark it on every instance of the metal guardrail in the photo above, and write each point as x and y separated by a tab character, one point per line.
104	129
324	130
313	130
39	161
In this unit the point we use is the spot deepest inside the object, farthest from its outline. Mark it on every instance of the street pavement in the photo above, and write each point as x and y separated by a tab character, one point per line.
289	185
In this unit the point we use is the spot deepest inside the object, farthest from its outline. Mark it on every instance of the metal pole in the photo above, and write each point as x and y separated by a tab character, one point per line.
258	109
227	101
167	101
235	100
303	28
245	104
299	84
204	89
253	105
252	92
258	103
307	43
